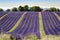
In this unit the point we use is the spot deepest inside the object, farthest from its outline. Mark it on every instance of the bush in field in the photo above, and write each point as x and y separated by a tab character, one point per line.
26	8
14	9
8	10
35	8
1	9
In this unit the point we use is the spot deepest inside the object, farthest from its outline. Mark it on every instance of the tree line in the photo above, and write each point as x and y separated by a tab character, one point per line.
27	8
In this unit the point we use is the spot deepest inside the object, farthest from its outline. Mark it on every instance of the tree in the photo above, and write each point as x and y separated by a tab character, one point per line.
1	9
35	8
8	10
52	9
20	8
26	8
58	10
14	9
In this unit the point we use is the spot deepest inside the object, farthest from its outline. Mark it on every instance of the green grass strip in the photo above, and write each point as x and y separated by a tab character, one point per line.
3	16
42	33
58	17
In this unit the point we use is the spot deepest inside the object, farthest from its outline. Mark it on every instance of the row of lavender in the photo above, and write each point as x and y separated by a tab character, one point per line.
51	23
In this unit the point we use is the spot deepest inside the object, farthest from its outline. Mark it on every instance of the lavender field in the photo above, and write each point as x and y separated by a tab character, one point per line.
24	24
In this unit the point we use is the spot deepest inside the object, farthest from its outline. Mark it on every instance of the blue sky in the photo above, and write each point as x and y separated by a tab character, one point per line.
5	4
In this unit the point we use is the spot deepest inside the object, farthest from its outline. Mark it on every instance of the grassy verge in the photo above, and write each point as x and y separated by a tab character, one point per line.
4	36
50	37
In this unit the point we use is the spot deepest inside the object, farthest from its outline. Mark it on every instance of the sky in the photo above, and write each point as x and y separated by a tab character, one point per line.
5	4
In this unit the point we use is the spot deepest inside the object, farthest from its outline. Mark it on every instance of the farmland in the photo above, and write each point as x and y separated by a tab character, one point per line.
23	24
